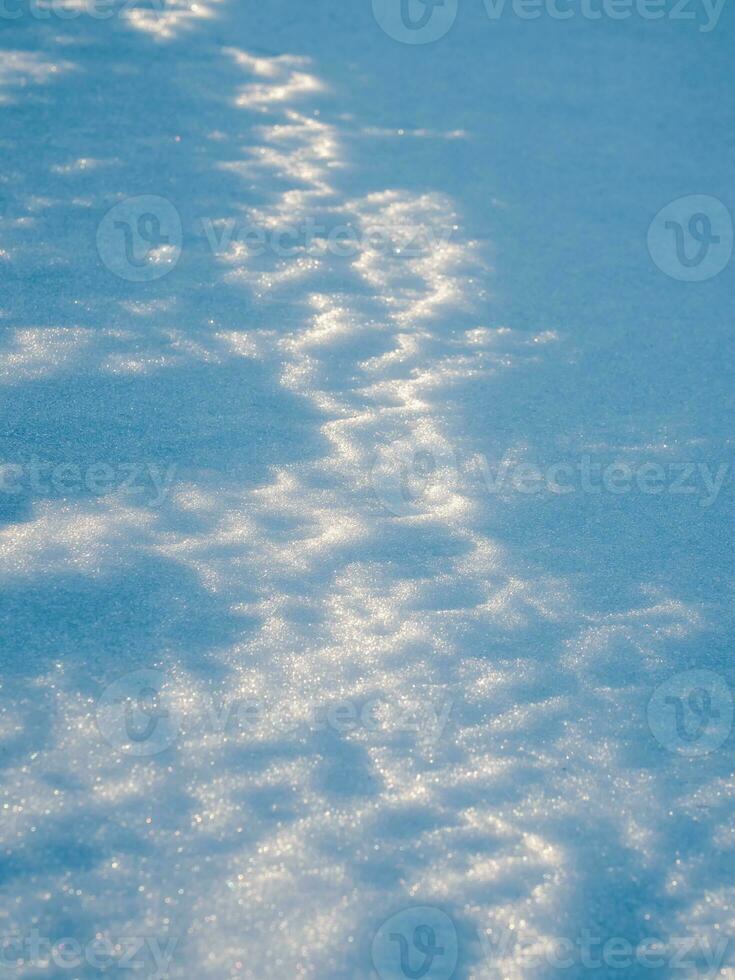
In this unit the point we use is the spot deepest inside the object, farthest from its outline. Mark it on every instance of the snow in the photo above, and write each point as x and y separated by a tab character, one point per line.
366	522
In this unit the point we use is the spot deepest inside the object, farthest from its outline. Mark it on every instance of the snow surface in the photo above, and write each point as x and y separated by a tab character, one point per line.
498	649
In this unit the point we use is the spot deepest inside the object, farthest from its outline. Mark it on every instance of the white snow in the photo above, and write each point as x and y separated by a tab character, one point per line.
294	500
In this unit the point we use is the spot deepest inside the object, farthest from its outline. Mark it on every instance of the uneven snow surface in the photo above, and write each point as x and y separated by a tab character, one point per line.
296	641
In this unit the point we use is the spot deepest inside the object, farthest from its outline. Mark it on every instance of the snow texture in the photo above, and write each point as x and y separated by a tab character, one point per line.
381	673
